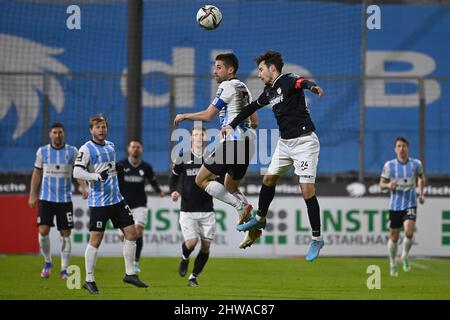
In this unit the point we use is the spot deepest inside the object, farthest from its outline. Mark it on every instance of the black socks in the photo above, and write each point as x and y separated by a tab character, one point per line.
200	262
265	198
314	215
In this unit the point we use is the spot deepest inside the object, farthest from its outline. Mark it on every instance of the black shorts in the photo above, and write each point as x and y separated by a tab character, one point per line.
62	210
398	217
119	213
232	157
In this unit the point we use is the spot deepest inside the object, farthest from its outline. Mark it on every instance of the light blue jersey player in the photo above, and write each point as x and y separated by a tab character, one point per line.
96	163
401	176
98	158
54	166
57	166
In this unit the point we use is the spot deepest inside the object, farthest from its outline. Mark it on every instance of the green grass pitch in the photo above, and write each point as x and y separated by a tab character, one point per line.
232	278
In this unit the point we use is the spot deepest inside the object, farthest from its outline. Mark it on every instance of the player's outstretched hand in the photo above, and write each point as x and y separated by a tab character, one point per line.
175	195
226	131
178	118
317	90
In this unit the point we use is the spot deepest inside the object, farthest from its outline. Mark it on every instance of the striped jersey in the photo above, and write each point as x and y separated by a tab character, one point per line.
95	158
57	167
405	175
231	97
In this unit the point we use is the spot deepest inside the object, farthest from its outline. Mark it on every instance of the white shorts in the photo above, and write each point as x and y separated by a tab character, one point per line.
198	224
140	216
302	152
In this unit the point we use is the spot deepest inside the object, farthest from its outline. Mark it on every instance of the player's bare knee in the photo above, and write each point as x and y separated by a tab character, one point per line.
139	230
205	245
308	190
191	243
270	180
44	230
409	234
394	235
130	233
65	233
95	239
230	184
139	233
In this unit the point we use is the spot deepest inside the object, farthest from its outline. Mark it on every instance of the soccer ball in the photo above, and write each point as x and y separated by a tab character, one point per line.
209	17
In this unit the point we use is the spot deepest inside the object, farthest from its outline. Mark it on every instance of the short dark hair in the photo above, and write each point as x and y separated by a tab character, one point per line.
271	58
402	139
97	118
57	125
229	59
134	140
198	128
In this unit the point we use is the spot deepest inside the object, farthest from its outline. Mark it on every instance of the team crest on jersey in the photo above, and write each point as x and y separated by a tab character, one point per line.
141	172
219	92
279	90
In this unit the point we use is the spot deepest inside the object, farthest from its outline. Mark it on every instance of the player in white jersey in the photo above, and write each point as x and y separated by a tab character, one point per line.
54	166
400	176
232	157
96	163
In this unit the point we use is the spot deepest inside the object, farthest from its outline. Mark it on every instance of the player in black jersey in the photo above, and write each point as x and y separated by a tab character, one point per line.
197	217
134	173
297	146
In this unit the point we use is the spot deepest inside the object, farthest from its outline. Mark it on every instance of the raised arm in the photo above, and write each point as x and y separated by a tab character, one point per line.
205	115
302	83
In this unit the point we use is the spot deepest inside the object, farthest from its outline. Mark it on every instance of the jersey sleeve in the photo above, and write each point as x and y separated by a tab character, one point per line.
300	82
83	158
385	173
150	175
75	153
262	99
419	168
38	161
177	169
223	96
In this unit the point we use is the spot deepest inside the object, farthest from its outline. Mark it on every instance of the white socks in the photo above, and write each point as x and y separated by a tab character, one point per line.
407	244
238	194
65	252
129	252
218	191
90	256
44	245
392	252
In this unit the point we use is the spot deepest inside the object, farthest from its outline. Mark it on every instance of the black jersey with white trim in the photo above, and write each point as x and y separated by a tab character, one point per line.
132	180
287	100
193	198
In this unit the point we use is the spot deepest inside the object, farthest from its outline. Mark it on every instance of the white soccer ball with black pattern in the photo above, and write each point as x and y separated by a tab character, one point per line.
209	17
